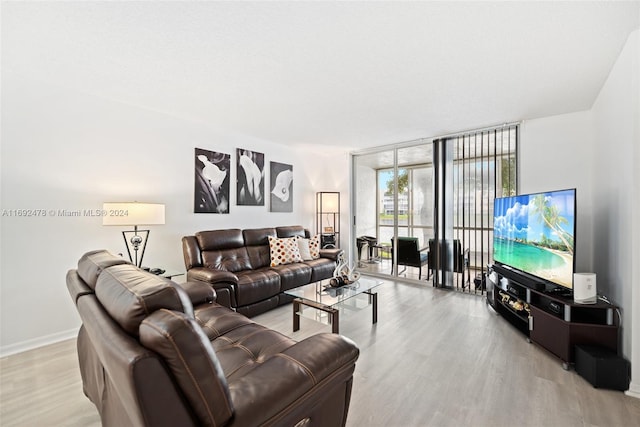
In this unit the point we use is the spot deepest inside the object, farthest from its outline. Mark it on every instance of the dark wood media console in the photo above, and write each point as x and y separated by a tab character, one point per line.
548	318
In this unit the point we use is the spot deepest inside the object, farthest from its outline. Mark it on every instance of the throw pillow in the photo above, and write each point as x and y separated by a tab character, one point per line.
283	251
314	246
303	248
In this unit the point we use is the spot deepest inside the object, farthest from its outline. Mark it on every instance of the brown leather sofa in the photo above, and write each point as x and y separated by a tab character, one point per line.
239	260
154	353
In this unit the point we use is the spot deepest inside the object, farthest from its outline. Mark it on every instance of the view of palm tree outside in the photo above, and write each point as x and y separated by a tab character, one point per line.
484	167
415	203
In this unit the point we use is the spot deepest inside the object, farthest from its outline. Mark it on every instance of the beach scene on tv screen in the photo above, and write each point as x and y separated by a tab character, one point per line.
535	234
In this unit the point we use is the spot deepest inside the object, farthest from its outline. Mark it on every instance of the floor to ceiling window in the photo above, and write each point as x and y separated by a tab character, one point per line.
395	197
392	197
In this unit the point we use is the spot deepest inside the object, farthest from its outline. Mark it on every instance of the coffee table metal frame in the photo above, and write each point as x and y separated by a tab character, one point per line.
349	291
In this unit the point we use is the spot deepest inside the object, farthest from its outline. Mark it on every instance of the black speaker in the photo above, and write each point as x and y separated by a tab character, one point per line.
602	367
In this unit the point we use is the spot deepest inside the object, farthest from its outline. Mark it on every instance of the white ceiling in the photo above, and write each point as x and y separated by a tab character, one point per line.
350	74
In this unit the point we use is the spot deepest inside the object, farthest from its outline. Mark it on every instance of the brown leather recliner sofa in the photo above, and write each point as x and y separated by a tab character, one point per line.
239	260
154	353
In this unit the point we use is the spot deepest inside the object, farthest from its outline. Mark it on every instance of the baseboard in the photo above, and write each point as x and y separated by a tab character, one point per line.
10	350
634	390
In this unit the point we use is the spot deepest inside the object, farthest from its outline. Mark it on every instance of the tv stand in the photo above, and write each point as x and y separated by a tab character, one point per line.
559	292
549	318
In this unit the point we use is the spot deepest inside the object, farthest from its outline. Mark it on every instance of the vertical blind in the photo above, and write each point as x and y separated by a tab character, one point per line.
484	167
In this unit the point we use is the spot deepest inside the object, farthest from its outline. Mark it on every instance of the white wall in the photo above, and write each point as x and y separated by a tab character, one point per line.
66	150
326	168
616	192
597	152
557	153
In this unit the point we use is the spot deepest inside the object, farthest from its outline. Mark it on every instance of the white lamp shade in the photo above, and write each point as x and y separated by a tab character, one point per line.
329	202
133	213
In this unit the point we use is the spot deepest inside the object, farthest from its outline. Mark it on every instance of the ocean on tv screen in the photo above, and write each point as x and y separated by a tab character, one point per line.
535	233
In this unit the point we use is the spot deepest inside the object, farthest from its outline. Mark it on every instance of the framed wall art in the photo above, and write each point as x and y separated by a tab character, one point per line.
211	184
281	187
250	178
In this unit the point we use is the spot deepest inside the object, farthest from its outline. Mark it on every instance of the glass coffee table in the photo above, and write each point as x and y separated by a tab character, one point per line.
321	296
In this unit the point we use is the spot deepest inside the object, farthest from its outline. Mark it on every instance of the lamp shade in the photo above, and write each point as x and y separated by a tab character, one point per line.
328	202
133	213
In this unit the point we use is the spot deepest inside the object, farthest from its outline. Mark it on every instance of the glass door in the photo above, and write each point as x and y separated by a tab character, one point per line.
369	205
393	199
415	185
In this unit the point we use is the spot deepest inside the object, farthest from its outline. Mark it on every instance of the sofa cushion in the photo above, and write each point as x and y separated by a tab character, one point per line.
293	275
246	348
223	250
283	251
232	260
322	268
258	236
130	294
220	239
256	285
257	243
92	263
291	231
216	320
240	344
190	357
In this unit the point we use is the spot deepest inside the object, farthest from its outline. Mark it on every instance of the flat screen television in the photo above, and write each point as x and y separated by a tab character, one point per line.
535	234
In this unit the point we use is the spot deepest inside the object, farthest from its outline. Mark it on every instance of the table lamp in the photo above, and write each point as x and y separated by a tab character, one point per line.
136	214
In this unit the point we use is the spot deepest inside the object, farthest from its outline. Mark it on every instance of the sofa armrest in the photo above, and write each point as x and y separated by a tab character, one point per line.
204	274
76	286
299	376
323	353
204	293
331	253
199	292
224	282
223	297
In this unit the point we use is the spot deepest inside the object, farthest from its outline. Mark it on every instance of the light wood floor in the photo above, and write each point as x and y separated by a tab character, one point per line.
435	358
383	267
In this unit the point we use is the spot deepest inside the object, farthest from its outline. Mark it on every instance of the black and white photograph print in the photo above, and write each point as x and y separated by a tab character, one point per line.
250	178
281	180
211	182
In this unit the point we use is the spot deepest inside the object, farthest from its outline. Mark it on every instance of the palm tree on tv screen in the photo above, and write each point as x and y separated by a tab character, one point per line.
550	215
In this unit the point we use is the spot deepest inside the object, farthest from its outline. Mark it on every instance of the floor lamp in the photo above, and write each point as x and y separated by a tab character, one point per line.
135	214
328	218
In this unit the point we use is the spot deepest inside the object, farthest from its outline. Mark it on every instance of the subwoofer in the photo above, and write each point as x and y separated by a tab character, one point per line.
602	367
